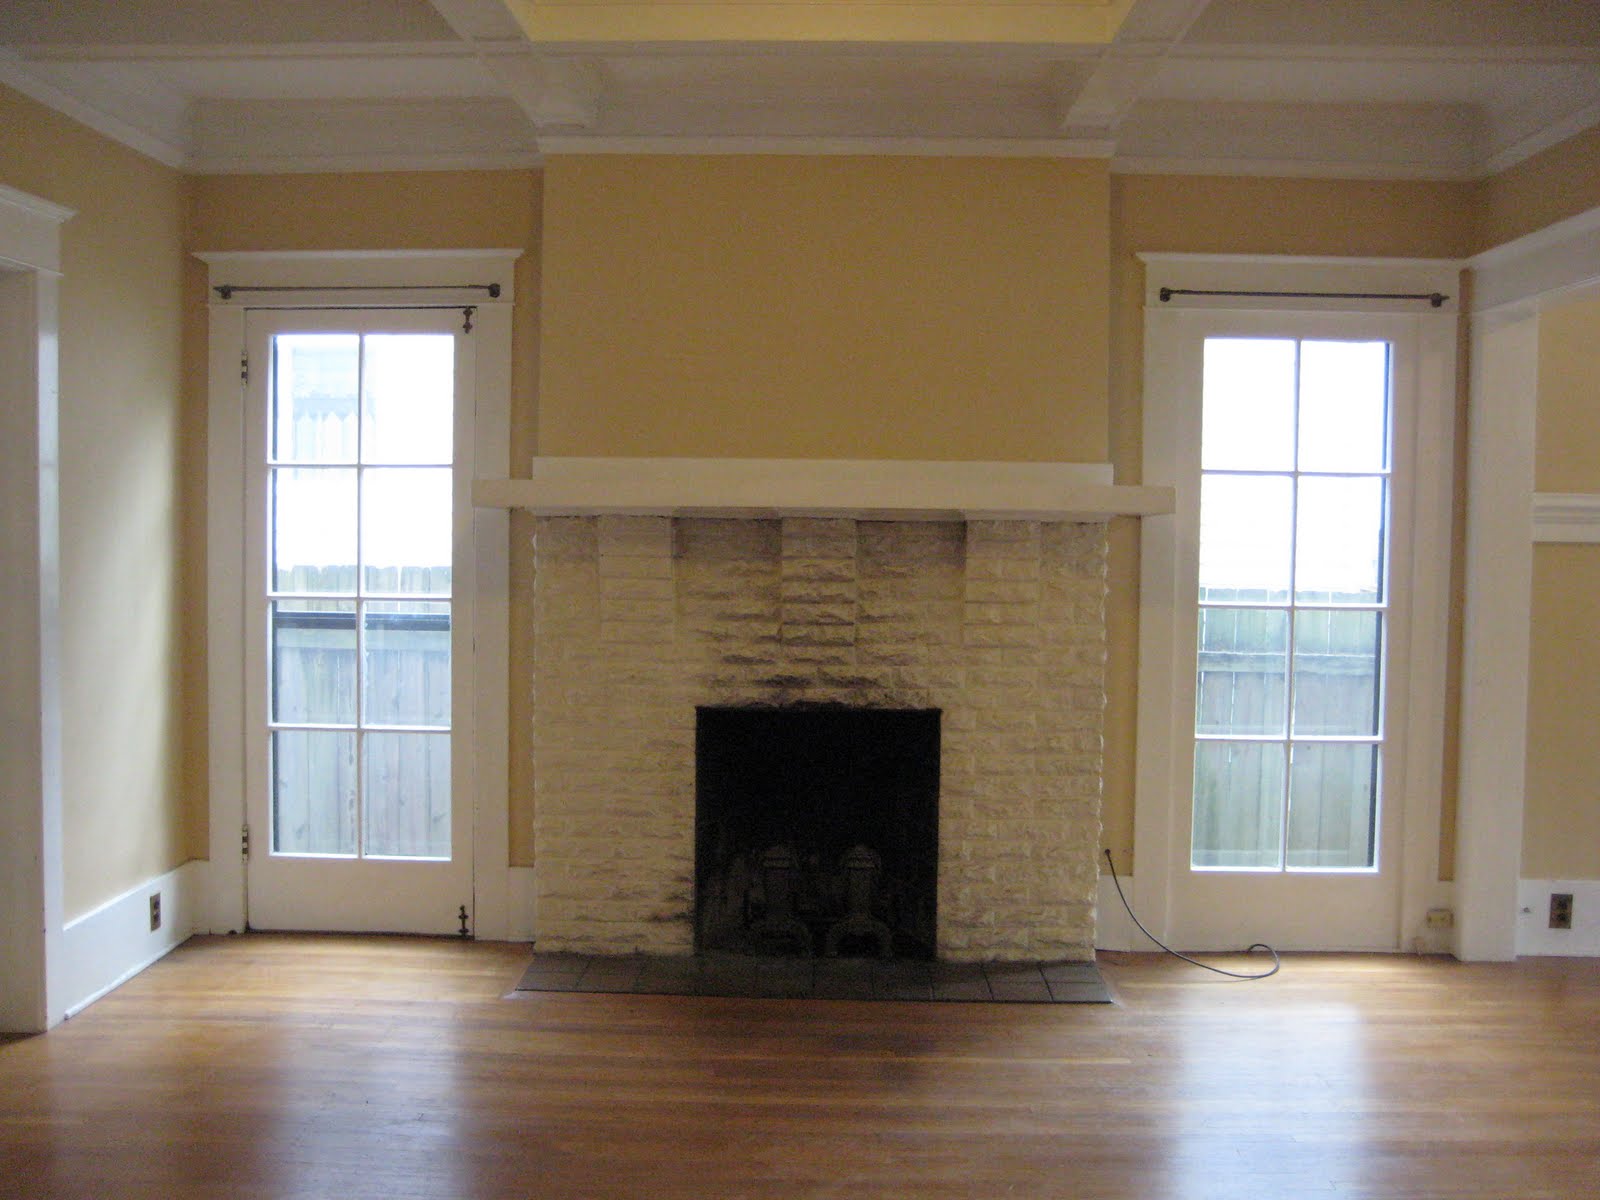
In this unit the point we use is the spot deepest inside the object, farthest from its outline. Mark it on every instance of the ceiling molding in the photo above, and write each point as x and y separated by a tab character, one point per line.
15	74
1367	103
921	147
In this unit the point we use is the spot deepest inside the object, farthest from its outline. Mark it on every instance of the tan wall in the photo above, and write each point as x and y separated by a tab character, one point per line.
393	211
124	615
777	307
1225	215
1560	182
1561	816
1567	457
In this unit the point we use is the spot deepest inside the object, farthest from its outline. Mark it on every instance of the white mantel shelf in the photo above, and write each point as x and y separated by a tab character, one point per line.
876	490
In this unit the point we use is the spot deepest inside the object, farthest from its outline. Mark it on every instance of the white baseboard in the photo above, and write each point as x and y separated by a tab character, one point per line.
1113	930
112	944
519	904
1534	935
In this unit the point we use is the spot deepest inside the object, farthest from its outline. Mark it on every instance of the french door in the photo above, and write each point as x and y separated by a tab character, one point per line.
1294	440
355	817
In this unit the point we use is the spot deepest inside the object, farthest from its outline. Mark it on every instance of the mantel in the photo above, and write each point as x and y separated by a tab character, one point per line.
883	490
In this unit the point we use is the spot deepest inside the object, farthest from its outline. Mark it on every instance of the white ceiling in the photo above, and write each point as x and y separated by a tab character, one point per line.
1451	89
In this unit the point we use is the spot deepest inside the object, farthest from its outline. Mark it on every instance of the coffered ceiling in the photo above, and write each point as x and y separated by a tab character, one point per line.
1449	89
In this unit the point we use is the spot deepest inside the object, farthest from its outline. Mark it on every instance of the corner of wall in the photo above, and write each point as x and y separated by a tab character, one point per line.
105	948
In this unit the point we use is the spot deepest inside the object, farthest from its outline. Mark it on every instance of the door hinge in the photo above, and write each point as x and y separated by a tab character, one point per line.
244	368
244	841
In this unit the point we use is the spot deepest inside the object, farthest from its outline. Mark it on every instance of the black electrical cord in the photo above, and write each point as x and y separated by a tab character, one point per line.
1277	963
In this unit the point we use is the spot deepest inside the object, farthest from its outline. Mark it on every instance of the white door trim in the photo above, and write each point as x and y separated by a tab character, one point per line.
1167	600
1512	285
482	601
32	996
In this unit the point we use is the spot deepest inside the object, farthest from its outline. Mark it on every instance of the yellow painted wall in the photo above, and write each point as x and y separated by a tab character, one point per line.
398	211
125	617
796	307
1557	183
1561	816
1231	215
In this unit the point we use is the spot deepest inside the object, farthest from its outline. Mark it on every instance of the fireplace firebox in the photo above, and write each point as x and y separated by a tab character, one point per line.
817	831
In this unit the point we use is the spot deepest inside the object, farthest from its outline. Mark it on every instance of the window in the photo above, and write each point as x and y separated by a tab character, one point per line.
359	593
1294	500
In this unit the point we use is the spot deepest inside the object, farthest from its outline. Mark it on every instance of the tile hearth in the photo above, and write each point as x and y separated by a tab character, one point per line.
817	978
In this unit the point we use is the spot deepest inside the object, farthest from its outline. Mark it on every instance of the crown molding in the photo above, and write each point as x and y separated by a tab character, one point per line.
926	147
15	74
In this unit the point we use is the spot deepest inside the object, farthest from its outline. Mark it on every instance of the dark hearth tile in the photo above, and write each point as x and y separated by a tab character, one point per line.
610	974
1017	983
960	981
1070	972
552	972
1080	993
843	979
903	981
668	975
791	979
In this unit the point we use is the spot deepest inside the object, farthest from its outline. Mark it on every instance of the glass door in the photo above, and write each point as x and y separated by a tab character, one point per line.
353	820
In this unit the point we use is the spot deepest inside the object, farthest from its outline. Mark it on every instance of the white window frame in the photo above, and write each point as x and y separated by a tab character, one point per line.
1419	581
325	279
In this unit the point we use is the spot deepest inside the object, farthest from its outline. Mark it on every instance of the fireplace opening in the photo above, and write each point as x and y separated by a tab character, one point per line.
817	831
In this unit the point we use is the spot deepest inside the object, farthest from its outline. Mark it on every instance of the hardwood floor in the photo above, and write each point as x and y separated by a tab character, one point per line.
393	1068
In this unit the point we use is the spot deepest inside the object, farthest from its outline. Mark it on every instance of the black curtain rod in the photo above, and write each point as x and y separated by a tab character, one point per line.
226	290
1436	299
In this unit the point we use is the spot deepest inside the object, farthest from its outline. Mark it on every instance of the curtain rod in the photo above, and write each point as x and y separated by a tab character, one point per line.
1436	299
226	290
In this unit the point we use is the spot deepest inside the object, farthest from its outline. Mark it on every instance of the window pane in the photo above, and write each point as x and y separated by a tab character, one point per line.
407	656
408	398
313	792
1332	805
1340	540
1245	544
405	530
1336	657
1248	405
313	662
313	529
1244	667
1238	804
407	784
315	377
1344	406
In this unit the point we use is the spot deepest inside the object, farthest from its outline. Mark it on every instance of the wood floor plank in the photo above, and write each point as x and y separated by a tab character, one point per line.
404	1069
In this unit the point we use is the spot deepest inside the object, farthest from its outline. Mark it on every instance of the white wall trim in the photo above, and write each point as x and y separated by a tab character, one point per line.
859	488
918	147
1534	935
1540	267
1566	517
1512	284
105	948
481	613
31	866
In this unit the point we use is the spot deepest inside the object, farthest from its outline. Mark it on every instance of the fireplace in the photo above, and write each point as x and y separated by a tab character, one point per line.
817	831
992	630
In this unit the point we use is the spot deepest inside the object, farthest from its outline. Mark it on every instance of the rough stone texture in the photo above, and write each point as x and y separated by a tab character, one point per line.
1000	624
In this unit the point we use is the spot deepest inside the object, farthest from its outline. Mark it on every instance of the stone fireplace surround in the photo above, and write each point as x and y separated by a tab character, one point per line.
999	623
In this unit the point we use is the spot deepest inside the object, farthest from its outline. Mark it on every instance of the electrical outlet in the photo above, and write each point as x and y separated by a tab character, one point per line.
1441	918
155	911
1560	910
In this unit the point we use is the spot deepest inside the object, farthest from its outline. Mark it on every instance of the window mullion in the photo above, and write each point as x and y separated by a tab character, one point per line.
361	602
